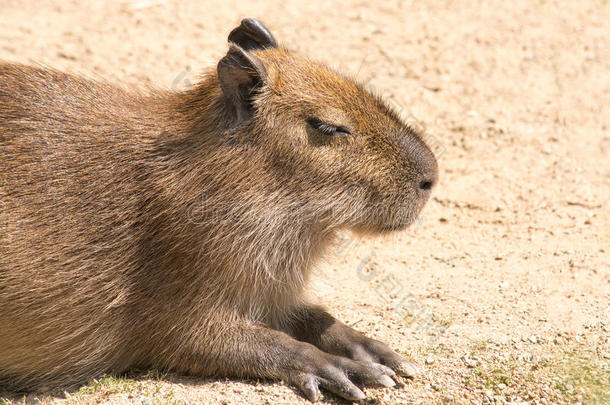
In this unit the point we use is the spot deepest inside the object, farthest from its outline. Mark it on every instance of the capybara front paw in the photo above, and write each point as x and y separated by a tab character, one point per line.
314	369
378	352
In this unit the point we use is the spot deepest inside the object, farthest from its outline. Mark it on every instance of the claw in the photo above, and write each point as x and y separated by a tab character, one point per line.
386	381
384	369
407	369
311	390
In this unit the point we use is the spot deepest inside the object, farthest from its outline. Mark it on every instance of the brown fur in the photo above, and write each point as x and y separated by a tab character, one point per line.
159	230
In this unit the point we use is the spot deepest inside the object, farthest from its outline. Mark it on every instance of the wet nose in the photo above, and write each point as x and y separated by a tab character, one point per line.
427	179
426	185
422	173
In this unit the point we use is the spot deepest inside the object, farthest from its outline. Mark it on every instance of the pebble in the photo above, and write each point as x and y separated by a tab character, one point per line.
526	357
471	363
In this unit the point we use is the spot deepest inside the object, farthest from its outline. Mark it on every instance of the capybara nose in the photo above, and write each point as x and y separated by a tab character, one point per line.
427	179
426	185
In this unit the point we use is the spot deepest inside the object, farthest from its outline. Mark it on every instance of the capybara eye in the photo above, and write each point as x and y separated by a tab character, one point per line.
326	128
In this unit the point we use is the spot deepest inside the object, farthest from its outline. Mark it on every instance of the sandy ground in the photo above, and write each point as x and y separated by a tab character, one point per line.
500	293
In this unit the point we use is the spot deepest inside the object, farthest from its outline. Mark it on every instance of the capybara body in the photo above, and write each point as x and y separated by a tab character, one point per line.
177	230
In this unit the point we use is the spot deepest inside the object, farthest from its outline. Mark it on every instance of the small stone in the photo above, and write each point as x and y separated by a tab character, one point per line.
429	360
533	339
526	357
501	386
471	363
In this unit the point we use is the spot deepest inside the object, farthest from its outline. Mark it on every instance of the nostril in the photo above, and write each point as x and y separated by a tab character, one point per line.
426	185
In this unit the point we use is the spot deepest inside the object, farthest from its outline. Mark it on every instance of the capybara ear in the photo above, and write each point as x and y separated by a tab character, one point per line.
240	74
252	34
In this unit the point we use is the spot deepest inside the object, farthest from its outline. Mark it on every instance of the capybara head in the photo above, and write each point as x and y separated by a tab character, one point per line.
335	145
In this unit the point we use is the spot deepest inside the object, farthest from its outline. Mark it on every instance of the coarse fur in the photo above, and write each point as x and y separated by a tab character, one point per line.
170	230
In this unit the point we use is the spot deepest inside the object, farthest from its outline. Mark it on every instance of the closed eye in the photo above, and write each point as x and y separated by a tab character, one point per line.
326	128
